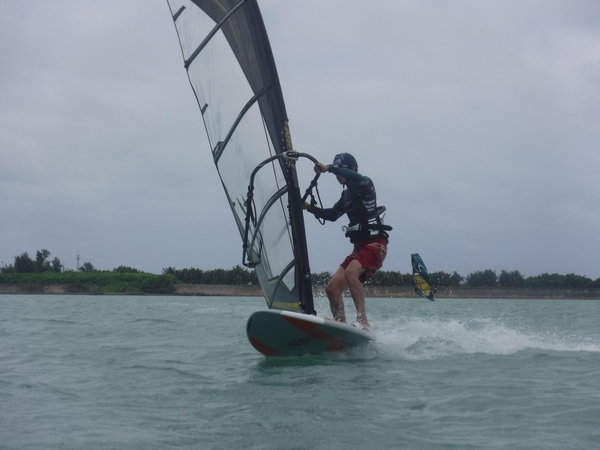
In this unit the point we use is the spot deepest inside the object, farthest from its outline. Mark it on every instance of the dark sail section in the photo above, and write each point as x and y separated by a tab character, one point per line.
245	32
232	73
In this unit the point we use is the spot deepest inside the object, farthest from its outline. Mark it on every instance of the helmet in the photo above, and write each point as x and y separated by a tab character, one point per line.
345	160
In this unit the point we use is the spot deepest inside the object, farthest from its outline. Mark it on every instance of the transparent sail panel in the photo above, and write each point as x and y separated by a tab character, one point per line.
237	119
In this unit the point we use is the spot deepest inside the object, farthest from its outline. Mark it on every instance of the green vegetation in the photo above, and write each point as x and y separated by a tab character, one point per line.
391	278
97	282
236	276
23	263
35	274
487	279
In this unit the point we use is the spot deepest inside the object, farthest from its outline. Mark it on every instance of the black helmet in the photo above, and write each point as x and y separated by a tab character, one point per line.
345	160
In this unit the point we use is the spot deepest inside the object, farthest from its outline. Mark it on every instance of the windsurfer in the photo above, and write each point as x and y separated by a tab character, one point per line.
365	230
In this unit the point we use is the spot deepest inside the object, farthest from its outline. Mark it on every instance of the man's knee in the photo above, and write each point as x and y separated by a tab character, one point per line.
332	289
354	271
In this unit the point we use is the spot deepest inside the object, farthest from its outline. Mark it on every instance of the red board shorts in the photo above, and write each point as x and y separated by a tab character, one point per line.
370	254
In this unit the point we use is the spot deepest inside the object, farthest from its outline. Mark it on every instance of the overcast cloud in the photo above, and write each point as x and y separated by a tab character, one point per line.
478	121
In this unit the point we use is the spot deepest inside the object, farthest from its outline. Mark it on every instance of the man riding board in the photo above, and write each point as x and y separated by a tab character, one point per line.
365	230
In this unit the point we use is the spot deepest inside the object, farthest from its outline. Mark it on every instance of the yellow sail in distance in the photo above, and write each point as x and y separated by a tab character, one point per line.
423	286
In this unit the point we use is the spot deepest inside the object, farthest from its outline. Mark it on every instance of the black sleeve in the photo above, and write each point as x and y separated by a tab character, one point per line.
331	214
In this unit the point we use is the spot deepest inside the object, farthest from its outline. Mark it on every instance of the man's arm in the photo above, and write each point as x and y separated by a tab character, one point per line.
331	214
348	174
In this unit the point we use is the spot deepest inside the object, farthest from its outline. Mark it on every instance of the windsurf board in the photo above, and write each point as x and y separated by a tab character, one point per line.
275	332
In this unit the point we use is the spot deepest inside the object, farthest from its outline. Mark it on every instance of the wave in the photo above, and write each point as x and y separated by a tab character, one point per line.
420	338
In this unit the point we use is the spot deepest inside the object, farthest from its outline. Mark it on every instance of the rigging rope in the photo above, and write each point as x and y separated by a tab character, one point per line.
252	217
313	201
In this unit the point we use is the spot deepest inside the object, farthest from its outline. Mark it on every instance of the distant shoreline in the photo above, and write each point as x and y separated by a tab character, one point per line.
204	290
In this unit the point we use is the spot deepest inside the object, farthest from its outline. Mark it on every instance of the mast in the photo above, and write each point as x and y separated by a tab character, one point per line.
303	277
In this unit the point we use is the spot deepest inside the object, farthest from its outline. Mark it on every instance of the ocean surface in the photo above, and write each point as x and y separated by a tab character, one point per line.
122	372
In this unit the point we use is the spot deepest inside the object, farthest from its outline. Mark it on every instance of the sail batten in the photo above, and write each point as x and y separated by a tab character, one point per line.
222	144
178	13
232	72
211	34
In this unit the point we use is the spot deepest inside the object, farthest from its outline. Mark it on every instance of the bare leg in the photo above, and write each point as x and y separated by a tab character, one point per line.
334	290
352	274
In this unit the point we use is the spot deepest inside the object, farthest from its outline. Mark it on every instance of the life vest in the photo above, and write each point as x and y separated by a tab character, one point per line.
369	228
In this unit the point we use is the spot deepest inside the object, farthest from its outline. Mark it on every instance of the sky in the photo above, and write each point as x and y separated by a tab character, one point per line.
478	121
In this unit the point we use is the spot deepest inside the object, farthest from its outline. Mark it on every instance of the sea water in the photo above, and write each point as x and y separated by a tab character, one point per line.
122	372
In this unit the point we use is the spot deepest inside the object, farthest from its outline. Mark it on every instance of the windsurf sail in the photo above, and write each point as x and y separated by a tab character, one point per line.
422	282
232	72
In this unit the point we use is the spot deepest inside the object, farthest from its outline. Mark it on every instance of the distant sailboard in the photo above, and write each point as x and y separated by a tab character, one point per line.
423	285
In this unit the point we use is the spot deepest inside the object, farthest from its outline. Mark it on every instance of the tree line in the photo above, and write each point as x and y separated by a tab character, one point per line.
23	263
238	275
489	279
